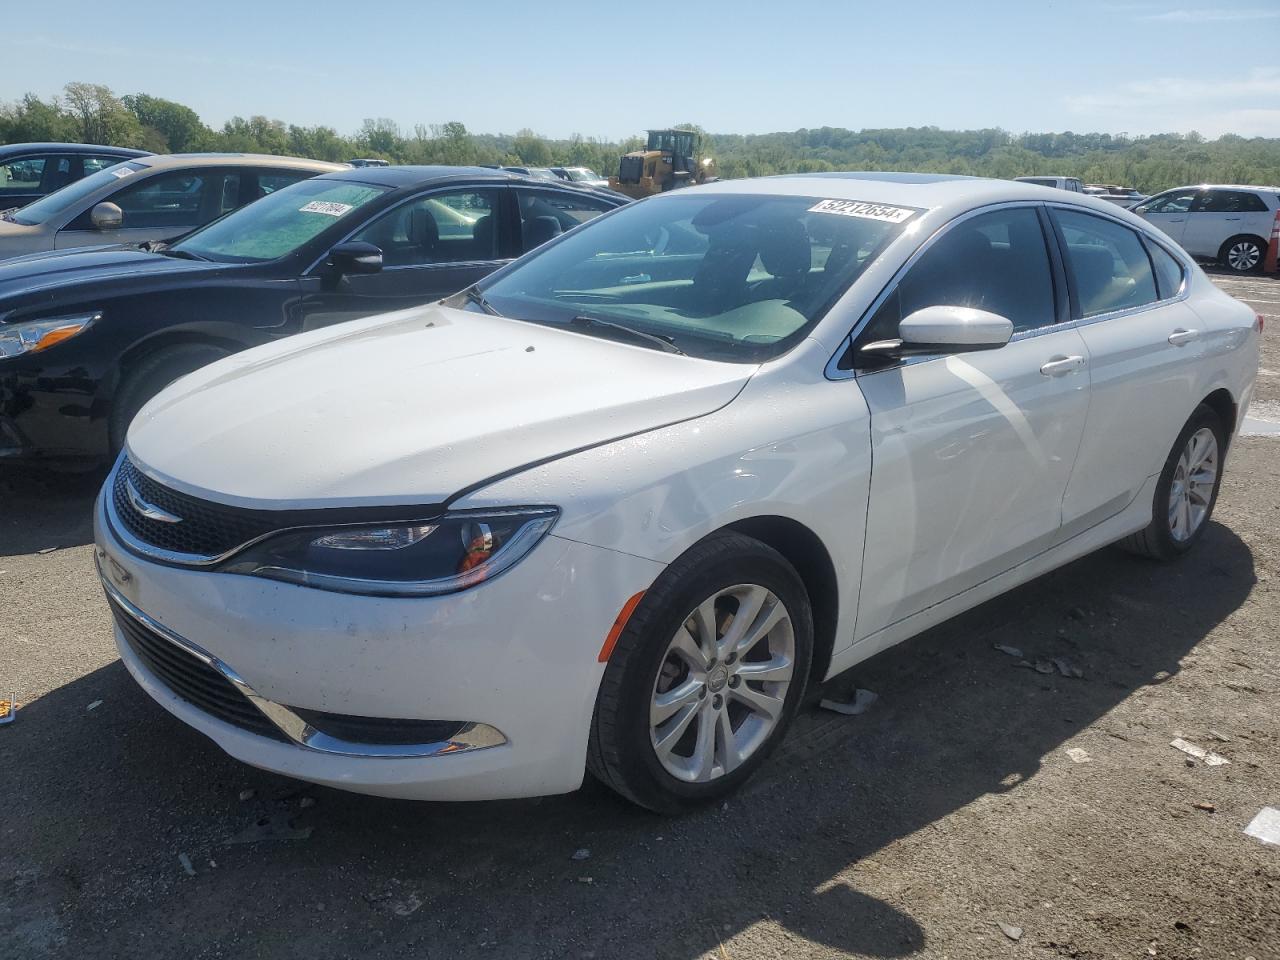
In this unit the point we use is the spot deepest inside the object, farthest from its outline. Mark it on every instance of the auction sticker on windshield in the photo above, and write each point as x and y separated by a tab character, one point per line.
863	210
329	208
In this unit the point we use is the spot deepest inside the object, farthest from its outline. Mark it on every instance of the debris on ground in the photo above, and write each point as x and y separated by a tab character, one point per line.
44	550
861	703
1068	669
306	802
1009	930
186	864
9	709
1043	666
276	827
402	908
1220	737
94	706
586	880
378	897
1078	755
1206	807
582	853
1006	649
1265	826
1210	758
246	795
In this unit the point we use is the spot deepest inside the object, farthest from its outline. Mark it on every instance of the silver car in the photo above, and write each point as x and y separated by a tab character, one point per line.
149	198
1230	224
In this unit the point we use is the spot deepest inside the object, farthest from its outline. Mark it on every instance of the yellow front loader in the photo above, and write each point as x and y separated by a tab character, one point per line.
671	159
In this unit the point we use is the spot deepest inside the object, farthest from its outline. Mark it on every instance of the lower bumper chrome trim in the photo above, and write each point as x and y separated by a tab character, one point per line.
470	737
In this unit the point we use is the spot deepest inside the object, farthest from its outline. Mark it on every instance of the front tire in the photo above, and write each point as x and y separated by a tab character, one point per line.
1186	491
1242	254
152	374
706	677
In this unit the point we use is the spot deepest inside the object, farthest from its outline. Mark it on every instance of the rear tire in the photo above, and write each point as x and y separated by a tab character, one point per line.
149	377
685	715
1243	254
1185	493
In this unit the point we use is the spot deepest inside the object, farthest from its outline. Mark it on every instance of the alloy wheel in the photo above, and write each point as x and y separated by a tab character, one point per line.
1243	256
722	683
1191	490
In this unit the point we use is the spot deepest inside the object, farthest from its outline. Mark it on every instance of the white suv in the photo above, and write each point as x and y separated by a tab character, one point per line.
1071	184
1229	224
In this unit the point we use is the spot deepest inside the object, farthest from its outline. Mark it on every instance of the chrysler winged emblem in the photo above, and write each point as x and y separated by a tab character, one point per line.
146	507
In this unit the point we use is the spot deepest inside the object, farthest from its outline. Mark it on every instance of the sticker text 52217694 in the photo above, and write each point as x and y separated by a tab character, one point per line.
863	210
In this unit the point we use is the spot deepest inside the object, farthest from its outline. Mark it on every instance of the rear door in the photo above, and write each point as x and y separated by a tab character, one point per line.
972	452
30	176
1169	211
1144	341
1220	215
432	245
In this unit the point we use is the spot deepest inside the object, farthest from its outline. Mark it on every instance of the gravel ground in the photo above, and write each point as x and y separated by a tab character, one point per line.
960	802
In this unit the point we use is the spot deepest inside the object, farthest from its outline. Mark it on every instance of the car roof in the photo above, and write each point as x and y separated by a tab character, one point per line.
1224	186
11	148
398	177
181	161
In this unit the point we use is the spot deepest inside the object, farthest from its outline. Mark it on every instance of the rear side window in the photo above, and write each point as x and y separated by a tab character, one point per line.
168	200
1169	274
1175	201
19	176
1231	201
997	262
544	215
1108	264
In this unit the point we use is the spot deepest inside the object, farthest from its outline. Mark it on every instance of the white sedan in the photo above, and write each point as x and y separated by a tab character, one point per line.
617	506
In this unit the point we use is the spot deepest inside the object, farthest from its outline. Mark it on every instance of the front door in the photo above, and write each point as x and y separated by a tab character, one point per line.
1169	211
432	246
971	452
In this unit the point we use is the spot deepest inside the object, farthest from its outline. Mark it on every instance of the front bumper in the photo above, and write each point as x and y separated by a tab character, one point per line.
515	658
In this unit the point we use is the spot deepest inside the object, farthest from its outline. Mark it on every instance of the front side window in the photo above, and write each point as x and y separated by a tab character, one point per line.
63	201
169	199
281	222
996	262
736	277
1175	201
1108	264
93	164
544	215
22	175
459	226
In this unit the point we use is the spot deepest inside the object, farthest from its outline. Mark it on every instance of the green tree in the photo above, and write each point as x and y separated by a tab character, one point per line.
178	125
100	117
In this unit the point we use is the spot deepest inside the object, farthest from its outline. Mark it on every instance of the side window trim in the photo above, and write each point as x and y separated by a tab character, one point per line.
498	209
1180	294
838	367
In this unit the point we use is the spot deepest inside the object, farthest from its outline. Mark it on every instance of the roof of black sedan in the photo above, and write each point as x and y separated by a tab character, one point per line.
9	149
397	177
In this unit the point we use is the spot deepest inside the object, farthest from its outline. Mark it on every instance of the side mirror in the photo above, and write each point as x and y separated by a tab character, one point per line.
355	256
1141	208
106	216
944	330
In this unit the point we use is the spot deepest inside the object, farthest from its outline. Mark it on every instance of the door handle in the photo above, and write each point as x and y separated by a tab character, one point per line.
1175	219
1180	336
1230	218
1060	366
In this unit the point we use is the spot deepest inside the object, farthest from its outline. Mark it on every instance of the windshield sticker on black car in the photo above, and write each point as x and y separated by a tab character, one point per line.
328	207
863	210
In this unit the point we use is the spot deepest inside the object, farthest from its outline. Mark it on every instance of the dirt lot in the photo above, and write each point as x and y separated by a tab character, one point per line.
953	806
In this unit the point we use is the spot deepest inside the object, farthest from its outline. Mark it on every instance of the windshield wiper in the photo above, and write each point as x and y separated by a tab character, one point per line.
473	295
662	343
180	254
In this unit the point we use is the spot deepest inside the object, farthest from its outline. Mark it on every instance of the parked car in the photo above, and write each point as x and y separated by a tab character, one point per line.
583	175
1229	224
1121	196
149	198
29	171
618	504
1071	184
88	336
368	162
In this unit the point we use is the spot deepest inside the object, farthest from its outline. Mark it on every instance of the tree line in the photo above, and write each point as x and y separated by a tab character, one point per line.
93	113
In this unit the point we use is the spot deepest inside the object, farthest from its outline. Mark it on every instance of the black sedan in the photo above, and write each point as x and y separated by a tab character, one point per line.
88	336
29	171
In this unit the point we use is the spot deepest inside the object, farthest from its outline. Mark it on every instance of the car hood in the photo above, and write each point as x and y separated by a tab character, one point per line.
413	407
57	268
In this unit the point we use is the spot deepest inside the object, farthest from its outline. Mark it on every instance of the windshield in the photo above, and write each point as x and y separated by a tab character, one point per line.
581	174
69	196
280	222
722	276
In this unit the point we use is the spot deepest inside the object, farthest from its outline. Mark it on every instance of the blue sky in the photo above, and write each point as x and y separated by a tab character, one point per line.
592	68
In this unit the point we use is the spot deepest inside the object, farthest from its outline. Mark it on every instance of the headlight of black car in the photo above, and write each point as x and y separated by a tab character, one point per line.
429	558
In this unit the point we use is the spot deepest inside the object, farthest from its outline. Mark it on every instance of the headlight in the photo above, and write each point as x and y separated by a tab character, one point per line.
457	551
32	336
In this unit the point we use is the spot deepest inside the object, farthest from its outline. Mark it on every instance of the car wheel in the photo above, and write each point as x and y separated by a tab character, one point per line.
1242	254
1187	489
705	678
149	377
